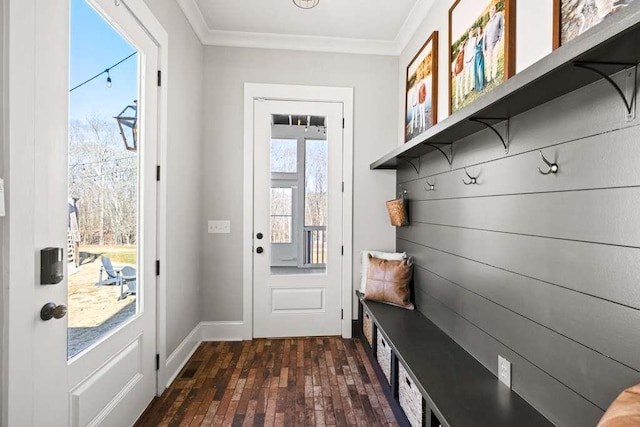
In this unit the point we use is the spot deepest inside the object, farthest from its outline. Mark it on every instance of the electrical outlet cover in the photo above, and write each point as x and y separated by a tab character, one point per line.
504	371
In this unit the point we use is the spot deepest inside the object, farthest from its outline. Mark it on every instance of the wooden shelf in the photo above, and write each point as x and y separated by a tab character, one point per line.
614	42
457	388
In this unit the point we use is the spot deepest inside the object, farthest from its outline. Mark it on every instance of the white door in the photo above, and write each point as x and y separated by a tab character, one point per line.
113	381
298	152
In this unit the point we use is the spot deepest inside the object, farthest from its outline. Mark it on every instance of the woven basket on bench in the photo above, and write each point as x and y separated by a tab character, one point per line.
384	357
410	398
367	328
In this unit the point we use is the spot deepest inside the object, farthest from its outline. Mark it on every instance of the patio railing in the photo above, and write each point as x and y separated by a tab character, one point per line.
315	246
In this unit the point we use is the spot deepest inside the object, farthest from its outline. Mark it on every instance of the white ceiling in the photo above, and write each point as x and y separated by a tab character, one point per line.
353	26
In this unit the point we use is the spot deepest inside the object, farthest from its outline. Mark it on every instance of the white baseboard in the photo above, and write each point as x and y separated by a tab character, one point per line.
221	331
181	355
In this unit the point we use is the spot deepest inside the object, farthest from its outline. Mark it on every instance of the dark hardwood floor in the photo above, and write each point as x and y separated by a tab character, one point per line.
274	382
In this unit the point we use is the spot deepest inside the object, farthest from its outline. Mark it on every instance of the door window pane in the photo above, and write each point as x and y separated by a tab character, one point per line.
281	215
102	213
284	155
315	202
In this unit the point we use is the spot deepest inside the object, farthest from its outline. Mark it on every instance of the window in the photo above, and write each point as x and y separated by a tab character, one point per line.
281	215
284	156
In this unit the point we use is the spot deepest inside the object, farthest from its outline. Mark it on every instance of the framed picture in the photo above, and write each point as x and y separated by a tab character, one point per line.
421	97
573	17
481	48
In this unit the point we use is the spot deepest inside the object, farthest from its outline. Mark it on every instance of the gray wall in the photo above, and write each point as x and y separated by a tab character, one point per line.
183	174
375	98
540	269
3	360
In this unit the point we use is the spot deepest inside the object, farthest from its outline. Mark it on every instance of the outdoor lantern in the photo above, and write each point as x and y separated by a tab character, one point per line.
128	123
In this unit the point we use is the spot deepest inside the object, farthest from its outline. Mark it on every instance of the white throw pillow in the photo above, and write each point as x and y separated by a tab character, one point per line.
364	264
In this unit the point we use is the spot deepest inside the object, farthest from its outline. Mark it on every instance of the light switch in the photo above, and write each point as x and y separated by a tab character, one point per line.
215	227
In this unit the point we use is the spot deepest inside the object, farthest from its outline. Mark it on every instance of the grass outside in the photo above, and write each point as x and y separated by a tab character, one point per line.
92	309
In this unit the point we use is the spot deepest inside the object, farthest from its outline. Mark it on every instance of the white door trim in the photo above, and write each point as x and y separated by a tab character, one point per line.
254	91
156	31
140	9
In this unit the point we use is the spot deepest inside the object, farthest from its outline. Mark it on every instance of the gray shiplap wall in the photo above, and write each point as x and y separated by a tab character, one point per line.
544	270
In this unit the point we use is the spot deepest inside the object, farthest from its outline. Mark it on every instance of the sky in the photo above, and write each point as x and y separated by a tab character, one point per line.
95	46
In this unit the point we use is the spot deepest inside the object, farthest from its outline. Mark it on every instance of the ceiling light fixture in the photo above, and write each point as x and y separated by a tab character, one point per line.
306	4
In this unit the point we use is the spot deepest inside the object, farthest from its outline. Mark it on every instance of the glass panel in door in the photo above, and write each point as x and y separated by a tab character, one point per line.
102	221
299	194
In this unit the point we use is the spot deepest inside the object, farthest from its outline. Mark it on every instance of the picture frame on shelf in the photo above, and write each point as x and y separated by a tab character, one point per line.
481	48
421	90
573	17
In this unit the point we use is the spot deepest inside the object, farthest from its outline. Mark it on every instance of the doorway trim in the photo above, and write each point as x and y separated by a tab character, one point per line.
156	31
255	91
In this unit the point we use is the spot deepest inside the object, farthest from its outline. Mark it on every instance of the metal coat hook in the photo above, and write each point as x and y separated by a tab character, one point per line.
472	179
553	167
430	187
117	2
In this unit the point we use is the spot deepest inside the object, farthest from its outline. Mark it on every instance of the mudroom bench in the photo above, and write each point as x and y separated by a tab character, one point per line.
434	380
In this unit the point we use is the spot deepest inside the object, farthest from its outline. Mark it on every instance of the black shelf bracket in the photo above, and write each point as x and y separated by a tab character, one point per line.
437	145
411	161
489	123
629	102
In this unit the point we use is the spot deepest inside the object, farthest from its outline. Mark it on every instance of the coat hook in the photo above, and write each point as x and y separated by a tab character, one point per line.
472	179
117	2
553	167
430	187
402	191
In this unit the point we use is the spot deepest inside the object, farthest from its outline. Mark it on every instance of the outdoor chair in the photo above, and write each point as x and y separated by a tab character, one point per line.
128	277
113	274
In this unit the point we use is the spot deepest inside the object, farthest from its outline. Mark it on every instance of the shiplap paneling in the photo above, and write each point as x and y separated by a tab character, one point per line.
577	215
544	270
605	327
605	271
553	399
569	362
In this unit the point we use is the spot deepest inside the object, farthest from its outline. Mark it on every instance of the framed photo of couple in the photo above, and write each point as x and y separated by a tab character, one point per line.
421	97
481	48
573	17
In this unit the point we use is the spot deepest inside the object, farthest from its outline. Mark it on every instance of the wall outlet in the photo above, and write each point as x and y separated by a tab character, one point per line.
219	227
504	371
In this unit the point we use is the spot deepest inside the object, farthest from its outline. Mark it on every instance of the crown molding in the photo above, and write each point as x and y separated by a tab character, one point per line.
410	26
394	47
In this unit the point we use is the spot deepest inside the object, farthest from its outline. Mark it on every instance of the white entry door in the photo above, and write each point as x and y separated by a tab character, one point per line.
111	382
298	199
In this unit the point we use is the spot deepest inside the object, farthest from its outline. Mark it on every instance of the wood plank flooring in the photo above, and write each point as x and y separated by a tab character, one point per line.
274	382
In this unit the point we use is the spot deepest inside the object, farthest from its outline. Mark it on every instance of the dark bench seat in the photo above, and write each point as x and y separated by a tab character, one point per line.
457	388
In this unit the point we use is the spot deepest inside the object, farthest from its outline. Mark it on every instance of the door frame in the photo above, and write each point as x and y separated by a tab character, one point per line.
277	92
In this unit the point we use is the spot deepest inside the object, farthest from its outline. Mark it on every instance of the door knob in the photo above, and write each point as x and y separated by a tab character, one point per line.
259	236
259	249
51	310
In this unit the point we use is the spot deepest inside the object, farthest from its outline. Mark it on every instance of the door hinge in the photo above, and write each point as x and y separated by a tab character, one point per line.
157	362
343	123
159	78
158	173
342	250
343	186
157	267
342	313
